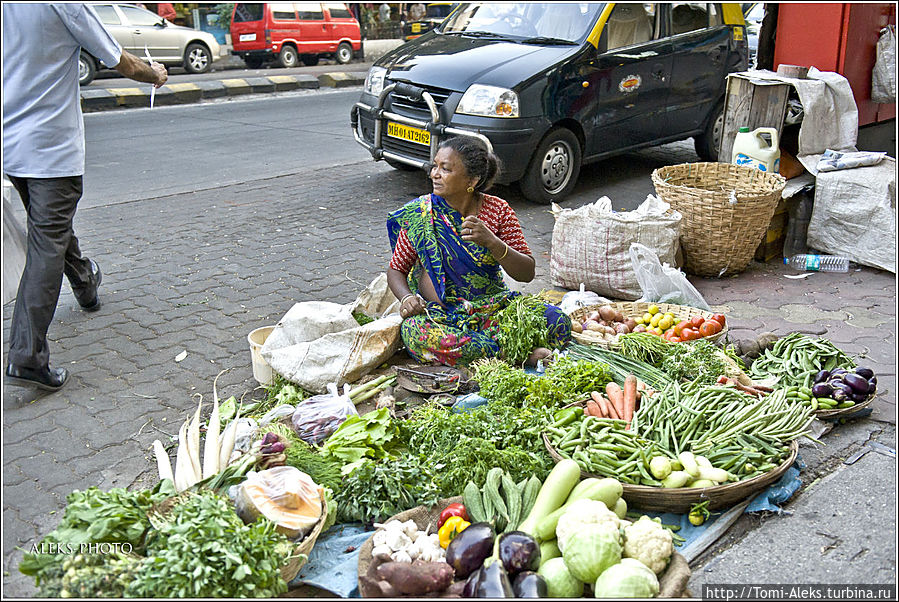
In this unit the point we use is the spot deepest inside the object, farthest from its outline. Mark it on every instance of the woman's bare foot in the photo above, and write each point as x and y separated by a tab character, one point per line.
539	353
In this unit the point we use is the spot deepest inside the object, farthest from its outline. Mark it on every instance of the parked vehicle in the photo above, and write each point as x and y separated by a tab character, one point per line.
136	28
288	33
753	12
435	12
551	86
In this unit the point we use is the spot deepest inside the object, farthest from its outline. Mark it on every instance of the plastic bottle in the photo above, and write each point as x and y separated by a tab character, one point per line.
751	150
818	263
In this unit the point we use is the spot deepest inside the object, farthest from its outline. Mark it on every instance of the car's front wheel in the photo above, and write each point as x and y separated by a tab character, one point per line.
708	143
344	53
87	69
554	168
288	57
197	58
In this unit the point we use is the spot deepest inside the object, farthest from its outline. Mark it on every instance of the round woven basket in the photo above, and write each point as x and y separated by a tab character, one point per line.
303	548
632	309
679	501
672	581
726	209
839	413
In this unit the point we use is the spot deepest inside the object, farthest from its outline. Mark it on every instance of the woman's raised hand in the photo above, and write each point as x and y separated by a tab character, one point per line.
474	230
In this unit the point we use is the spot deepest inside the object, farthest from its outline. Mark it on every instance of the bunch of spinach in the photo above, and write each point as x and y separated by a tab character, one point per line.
202	549
368	436
375	491
474	457
522	328
567	380
696	361
500	382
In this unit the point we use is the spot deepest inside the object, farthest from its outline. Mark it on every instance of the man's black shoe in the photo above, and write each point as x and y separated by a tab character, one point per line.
87	297
48	379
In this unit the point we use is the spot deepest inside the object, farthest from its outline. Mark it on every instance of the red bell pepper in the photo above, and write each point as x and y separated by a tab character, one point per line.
452	510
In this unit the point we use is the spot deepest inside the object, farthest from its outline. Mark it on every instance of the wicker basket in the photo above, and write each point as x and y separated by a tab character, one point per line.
292	568
631	309
839	413
679	501
726	210
672	582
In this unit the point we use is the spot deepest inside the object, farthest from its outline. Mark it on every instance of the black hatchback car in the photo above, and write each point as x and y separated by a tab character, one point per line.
550	86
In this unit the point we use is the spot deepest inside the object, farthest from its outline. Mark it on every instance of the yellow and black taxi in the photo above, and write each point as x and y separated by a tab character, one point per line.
435	12
551	86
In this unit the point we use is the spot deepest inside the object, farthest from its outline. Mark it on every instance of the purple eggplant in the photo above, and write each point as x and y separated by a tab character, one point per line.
528	584
822	390
468	550
865	373
471	584
840	393
518	552
494	581
872	386
858	384
858	397
821	376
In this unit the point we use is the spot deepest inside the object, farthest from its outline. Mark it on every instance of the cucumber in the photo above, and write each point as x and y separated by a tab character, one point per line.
549	549
689	462
471	497
608	491
621	508
677	478
555	490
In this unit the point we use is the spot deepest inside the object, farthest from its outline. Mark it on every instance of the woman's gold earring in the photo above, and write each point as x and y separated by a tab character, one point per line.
470	189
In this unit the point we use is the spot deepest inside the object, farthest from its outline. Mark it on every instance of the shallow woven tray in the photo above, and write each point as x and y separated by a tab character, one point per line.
838	413
632	309
726	210
672	582
290	570
679	501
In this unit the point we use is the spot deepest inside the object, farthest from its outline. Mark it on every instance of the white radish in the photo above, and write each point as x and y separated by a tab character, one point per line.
227	446
182	462
211	450
193	438
163	464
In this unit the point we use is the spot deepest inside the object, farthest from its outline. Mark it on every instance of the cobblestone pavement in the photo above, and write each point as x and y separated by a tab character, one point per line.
197	272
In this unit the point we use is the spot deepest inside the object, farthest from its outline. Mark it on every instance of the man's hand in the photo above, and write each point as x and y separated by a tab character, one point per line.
134	68
161	74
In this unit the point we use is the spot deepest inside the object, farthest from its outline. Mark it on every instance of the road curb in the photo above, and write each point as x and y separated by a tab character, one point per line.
187	93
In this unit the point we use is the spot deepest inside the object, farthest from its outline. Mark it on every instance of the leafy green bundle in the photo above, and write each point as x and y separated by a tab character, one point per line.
522	328
375	491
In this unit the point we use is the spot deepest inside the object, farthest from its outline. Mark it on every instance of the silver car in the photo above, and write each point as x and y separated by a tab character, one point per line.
137	29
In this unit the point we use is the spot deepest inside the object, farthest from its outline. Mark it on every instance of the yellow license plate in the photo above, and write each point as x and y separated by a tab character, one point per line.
416	27
404	132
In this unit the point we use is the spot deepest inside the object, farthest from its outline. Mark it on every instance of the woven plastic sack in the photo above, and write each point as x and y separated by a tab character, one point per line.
591	245
883	76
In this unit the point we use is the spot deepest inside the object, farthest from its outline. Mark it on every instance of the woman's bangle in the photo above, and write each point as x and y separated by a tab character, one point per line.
506	253
403	300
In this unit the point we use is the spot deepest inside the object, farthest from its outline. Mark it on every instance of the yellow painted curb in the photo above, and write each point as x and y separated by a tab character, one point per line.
235	83
282	79
185	87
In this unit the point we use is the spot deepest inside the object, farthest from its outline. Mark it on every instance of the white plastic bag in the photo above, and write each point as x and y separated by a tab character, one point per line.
590	244
574	300
316	418
883	76
14	247
663	283
318	342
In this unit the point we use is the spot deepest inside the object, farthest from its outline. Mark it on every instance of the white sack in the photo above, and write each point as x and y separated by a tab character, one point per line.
13	247
854	214
591	244
318	342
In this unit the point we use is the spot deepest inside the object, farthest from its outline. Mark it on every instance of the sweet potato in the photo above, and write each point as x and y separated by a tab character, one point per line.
417	578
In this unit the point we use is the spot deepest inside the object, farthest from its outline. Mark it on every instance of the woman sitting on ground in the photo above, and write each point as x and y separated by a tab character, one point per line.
448	248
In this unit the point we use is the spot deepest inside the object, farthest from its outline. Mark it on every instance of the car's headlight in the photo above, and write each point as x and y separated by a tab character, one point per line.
490	101
374	81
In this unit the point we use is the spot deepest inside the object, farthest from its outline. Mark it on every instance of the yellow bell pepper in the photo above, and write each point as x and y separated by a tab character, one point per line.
452	527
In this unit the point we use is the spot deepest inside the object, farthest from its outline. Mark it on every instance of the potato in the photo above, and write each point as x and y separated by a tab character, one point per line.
619	317
621	328
608	330
593	325
576	326
631	324
607	312
593	315
417	578
604	323
639	328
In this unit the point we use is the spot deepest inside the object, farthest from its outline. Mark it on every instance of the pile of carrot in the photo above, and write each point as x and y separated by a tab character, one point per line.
620	403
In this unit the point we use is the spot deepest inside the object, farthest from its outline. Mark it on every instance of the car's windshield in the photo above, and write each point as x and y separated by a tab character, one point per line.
556	21
438	11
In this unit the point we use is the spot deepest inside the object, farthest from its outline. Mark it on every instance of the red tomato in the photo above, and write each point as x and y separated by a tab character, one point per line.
696	321
675	339
679	327
716	325
688	334
720	319
708	328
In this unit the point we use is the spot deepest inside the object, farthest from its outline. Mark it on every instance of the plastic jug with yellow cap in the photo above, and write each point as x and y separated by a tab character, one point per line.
752	150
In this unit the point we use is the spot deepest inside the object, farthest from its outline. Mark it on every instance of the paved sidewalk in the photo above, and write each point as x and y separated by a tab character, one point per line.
197	272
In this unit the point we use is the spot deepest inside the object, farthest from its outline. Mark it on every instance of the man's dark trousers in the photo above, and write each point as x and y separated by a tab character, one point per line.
52	250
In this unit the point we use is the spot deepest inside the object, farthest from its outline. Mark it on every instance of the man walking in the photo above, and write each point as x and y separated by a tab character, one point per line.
43	155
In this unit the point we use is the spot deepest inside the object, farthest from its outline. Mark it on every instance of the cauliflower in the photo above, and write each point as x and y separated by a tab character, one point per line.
649	542
583	512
